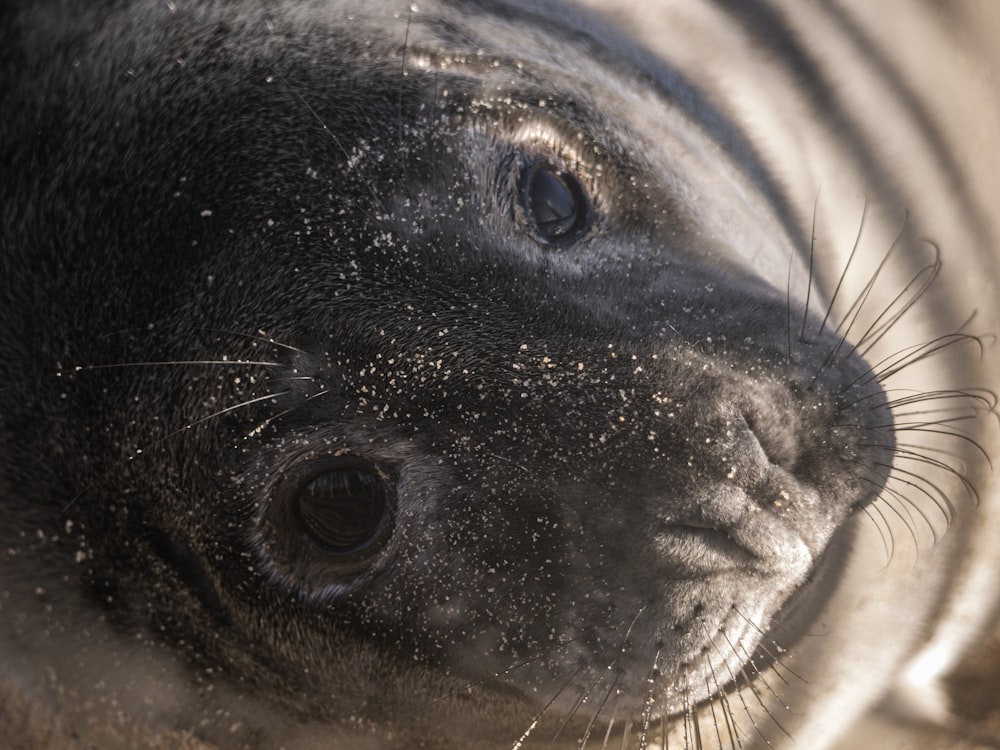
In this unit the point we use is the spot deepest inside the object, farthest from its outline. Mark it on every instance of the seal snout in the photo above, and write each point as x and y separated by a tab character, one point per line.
774	459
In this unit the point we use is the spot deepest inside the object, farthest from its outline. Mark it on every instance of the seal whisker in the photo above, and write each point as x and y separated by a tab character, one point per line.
519	665
720	705
159	441
895	404
773	655
626	732
261	336
171	363
904	507
851	316
760	674
508	460
650	700
582	697
852	313
599	709
930	491
612	669
259	428
952	453
924	458
692	727
751	684
943	428
918	448
788	301
809	285
884	529
218	413
519	743
901	304
843	276
945	468
987	398
895	363
811	269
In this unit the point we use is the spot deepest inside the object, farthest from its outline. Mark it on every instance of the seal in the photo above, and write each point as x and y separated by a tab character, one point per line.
484	374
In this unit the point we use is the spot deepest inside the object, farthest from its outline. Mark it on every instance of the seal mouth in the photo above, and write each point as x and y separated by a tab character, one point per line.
759	640
697	550
757	543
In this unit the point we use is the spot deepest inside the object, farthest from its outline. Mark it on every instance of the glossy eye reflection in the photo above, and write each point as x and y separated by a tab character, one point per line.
343	511
555	202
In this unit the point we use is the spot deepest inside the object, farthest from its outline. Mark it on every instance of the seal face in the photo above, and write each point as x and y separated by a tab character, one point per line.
378	377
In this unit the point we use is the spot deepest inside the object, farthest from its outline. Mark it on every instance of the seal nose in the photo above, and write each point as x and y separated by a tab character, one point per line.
766	433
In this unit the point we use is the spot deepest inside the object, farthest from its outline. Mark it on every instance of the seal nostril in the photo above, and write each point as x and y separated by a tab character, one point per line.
775	436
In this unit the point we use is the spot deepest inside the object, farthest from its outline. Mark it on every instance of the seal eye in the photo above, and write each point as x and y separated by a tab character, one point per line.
555	202
343	511
329	521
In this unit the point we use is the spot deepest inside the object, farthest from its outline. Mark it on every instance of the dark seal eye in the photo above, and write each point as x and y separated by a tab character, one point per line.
555	203
329	521
343	511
